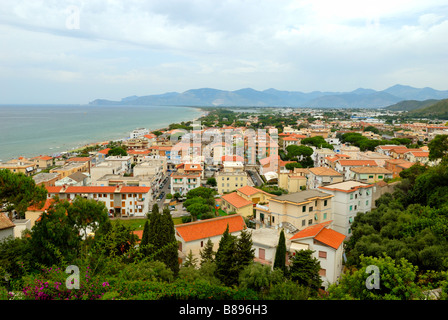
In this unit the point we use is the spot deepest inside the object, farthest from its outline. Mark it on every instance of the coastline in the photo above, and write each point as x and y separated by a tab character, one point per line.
77	149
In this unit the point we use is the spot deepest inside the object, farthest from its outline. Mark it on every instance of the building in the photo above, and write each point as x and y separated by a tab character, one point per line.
138	133
231	177
349	198
75	179
188	176
254	195
26	168
6	227
298	210
235	203
194	235
327	247
264	243
42	162
344	166
70	168
119	200
369	174
320	176
397	165
46	179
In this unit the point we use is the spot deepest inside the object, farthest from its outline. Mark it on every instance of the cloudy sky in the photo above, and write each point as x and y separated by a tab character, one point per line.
54	51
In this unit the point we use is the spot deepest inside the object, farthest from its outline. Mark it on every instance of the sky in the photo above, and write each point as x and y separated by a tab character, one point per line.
72	52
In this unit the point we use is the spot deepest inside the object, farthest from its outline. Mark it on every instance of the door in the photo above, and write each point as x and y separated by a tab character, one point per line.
261	253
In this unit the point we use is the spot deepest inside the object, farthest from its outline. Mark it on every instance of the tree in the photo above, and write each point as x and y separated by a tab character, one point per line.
145	239
298	151
117	151
244	250
372	129
54	238
190	261
225	259
397	280
292	165
170	253
207	253
87	214
212	182
438	147
18	192
304	269
280	253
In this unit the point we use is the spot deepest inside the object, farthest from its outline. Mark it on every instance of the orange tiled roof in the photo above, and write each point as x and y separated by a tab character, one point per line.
210	228
80	159
324	171
249	190
236	200
232	158
47	205
310	231
104	151
330	237
420	153
357	162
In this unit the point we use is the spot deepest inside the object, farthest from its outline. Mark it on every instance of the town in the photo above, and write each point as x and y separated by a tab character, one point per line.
302	174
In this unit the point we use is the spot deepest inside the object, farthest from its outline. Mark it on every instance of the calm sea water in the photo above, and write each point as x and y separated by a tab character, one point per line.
31	130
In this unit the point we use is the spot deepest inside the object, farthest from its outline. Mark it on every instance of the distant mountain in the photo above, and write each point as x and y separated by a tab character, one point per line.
409	105
359	98
438	110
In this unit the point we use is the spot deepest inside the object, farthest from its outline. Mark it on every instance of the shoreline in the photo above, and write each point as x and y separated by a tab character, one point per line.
77	149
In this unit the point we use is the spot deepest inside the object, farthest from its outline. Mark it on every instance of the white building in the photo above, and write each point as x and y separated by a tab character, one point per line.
138	133
119	200
350	197
327	245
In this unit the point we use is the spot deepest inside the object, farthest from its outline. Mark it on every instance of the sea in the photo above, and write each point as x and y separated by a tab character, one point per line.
33	130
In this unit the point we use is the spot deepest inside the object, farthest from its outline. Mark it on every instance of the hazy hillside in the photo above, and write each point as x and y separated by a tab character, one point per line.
409	105
359	98
437	110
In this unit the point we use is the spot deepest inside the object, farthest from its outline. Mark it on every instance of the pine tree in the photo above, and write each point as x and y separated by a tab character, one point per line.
304	269
244	250
170	254
190	260
226	260
280	253
145	238
207	253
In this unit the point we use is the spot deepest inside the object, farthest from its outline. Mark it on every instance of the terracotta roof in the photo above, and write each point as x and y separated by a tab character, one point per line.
324	171
420	153
48	203
330	237
321	233
236	200
249	190
310	231
210	228
138	151
389	147
371	170
104	151
232	158
357	162
5	223
290	139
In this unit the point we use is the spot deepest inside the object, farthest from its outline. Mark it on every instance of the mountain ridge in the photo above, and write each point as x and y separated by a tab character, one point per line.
248	97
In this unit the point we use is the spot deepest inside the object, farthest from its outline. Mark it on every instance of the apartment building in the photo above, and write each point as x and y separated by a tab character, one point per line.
369	174
320	176
119	200
300	209
349	198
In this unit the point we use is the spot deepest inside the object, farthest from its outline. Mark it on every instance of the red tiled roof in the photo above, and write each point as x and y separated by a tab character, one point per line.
236	200
104	151
357	162
249	190
210	228
330	237
79	159
321	233
310	231
420	153
232	158
47	205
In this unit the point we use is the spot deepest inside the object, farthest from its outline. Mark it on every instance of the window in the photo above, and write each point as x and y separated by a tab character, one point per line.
380	177
304	209
303	222
322	272
310	209
351	197
325	203
310	221
367	202
370	177
323	254
351	208
325	216
202	244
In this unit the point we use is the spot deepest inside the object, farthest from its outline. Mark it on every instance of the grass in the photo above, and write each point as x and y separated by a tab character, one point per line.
139	224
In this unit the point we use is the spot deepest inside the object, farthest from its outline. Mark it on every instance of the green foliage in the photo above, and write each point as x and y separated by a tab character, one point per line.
280	253
18	192
207	253
117	151
304	269
318	142
397	281
438	147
